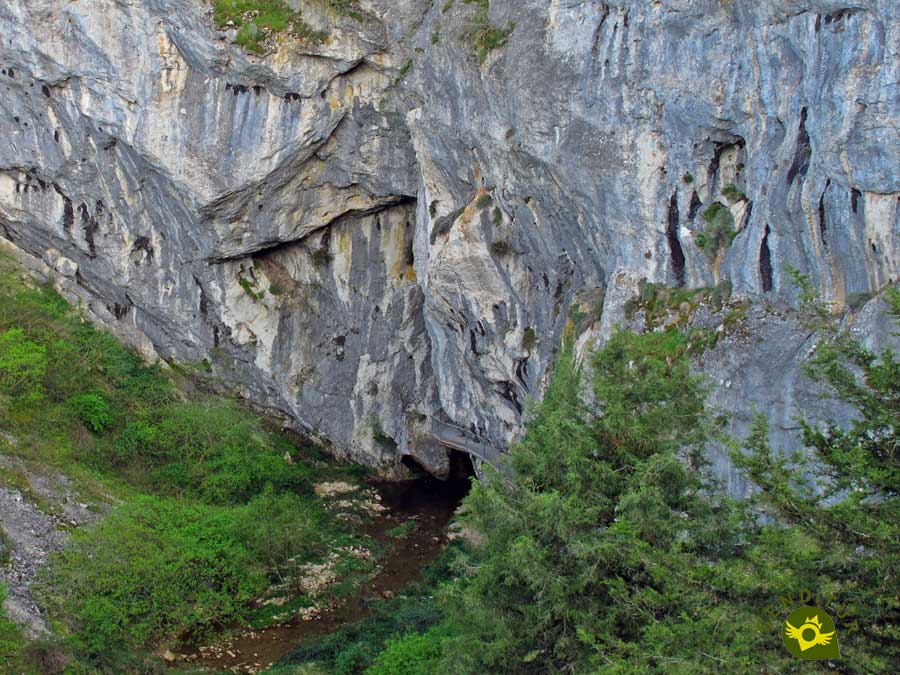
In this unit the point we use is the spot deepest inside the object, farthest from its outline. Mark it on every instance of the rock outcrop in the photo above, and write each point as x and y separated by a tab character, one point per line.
402	218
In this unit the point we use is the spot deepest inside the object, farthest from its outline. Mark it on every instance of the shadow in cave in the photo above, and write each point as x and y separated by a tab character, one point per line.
425	492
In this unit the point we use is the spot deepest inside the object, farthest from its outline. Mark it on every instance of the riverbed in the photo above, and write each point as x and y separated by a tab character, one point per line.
429	501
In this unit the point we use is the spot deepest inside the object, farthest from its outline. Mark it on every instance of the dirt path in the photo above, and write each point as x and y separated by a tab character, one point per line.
432	504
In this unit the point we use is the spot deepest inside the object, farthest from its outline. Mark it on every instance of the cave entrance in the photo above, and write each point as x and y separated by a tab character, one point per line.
461	466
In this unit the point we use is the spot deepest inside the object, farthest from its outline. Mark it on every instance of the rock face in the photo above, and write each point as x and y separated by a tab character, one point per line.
401	220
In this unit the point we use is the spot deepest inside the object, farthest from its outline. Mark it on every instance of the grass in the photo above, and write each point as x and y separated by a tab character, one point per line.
404	530
732	194
529	338
13	648
248	286
257	19
404	69
355	647
484	36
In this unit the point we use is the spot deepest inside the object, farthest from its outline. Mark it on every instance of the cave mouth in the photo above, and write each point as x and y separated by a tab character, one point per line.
425	493
461	466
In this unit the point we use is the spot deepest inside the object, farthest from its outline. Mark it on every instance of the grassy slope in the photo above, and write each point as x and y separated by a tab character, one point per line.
182	552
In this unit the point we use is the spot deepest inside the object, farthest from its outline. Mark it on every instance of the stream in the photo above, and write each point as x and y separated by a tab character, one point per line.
430	501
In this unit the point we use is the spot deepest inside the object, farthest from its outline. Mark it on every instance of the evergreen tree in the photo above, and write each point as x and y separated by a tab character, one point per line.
605	555
833	525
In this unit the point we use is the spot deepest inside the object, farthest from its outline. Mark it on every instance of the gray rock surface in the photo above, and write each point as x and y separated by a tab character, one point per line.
358	233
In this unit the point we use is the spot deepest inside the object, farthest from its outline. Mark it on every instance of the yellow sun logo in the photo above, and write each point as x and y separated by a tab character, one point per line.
809	633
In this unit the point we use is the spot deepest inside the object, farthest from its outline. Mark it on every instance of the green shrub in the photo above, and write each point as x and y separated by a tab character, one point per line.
529	337
402	531
23	365
482	34
211	450
718	232
280	529
484	201
413	654
12	643
405	68
320	257
732	194
92	410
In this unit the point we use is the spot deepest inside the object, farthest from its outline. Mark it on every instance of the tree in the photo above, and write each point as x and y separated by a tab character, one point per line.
834	510
605	554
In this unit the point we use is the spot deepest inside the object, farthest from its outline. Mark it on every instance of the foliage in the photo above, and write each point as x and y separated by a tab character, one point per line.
92	409
484	36
23	365
837	506
814	314
404	68
153	568
403	530
605	555
226	512
157	568
354	647
732	194
718	232
413	654
500	248
255	19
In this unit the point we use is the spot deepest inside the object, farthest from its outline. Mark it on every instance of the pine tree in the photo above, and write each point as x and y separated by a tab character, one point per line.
833	512
605	554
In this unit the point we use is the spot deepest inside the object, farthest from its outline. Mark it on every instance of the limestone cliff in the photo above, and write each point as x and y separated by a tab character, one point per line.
398	219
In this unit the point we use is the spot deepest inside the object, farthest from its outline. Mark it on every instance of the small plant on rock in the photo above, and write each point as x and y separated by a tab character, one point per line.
718	233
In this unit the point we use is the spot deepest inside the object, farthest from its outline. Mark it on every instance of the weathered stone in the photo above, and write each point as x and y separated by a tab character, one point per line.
357	233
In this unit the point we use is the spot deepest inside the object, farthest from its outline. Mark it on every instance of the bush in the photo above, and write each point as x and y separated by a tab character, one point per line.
153	569
23	365
93	410
354	647
273	16
210	450
732	194
718	233
413	654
